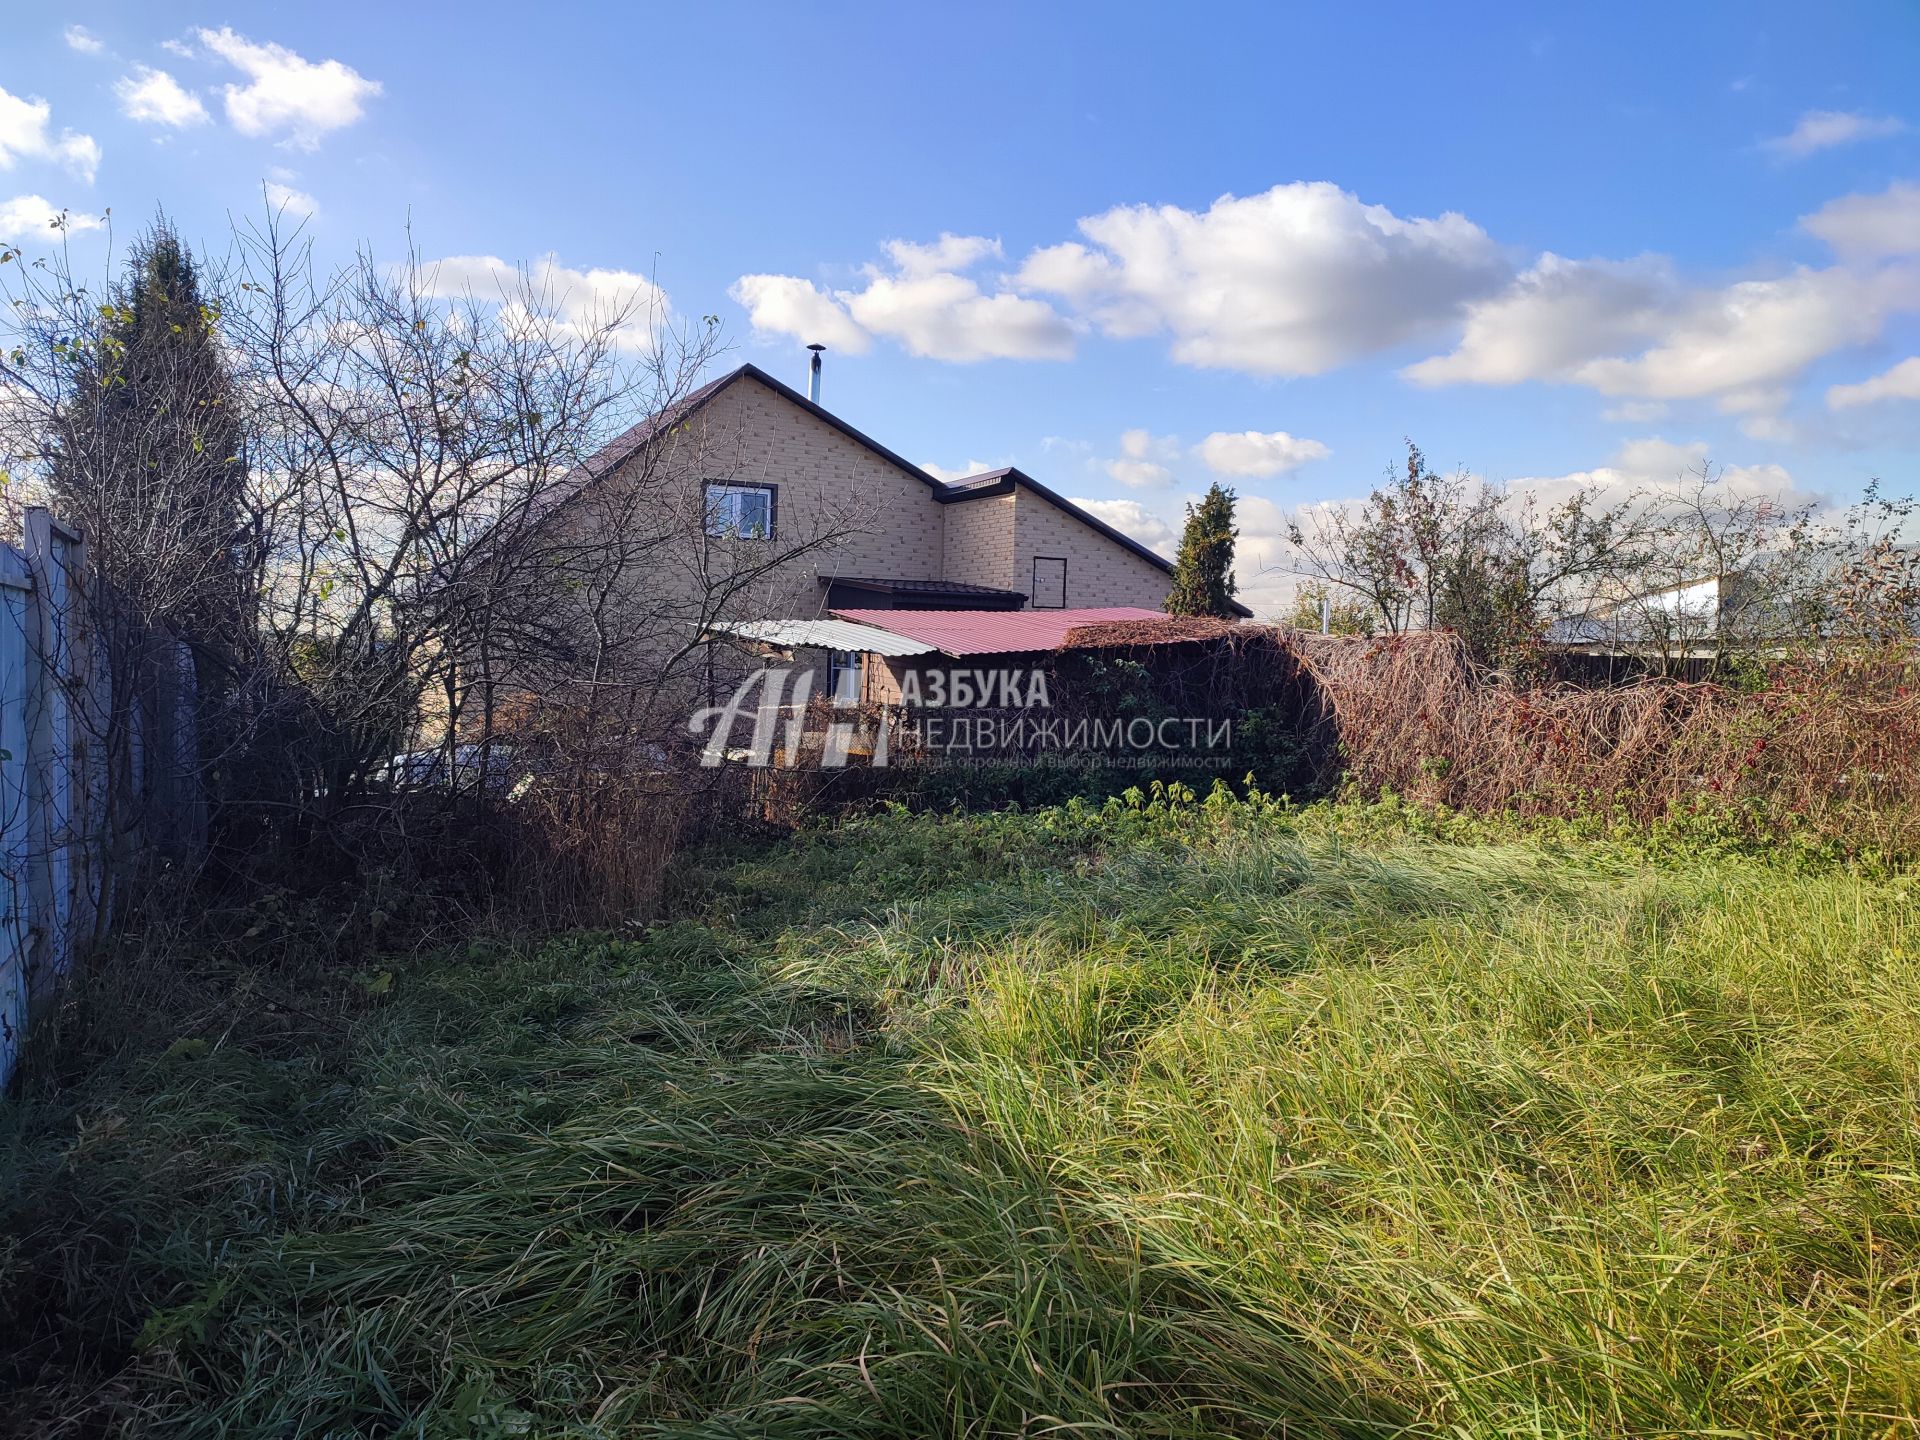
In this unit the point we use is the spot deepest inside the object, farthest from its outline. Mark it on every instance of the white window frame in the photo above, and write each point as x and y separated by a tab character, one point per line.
724	511
843	665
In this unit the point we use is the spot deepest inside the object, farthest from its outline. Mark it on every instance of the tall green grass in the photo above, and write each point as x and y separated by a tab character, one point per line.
1154	1119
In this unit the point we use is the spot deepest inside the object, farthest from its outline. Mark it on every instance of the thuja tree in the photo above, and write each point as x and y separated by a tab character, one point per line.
148	457
1203	570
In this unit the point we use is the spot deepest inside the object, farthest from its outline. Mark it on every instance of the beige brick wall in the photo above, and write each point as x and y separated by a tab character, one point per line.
979	543
870	518
888	523
1100	571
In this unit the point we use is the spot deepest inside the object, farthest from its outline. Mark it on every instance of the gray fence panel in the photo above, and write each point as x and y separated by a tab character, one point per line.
60	800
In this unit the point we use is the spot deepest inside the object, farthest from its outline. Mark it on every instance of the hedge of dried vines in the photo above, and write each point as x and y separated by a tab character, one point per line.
1828	746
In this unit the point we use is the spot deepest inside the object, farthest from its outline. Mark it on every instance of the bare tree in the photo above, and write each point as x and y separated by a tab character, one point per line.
1430	551
462	519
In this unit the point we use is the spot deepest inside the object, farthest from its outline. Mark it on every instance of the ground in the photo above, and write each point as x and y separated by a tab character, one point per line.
1181	1119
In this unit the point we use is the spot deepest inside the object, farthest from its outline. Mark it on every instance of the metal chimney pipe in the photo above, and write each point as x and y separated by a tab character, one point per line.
813	374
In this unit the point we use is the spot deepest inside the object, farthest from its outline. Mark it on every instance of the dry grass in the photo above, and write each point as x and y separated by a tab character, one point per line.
1828	750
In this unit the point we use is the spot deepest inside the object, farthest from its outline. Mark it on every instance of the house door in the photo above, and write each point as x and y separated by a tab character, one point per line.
1049	582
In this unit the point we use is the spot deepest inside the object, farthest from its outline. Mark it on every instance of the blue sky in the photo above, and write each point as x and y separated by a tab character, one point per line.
1085	239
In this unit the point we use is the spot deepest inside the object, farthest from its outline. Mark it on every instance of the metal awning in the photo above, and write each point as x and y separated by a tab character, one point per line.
821	635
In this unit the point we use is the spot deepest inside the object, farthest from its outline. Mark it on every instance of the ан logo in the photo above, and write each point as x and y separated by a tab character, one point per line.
758	698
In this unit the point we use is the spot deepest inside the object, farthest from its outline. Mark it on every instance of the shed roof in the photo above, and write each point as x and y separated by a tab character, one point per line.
993	632
823	635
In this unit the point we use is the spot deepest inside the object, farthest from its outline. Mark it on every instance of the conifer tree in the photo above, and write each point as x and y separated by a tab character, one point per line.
1203	569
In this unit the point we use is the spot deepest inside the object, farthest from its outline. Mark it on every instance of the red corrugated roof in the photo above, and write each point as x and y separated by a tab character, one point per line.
993	632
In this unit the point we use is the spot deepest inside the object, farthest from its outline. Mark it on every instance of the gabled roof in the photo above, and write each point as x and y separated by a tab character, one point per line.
961	633
974	487
1003	482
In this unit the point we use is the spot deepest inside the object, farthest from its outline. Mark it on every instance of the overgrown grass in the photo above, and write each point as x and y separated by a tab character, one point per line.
1183	1120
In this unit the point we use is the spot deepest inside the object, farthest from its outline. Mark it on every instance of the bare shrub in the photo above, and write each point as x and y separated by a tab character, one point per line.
1828	745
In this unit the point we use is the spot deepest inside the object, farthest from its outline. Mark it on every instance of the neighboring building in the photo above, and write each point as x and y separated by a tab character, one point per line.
999	541
773	473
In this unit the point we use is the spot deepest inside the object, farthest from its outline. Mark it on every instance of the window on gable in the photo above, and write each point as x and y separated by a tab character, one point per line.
743	512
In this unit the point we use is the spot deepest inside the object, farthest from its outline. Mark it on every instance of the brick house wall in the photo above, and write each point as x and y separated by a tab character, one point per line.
1098	571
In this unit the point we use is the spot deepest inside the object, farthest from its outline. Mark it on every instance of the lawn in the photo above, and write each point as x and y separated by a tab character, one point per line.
1202	1119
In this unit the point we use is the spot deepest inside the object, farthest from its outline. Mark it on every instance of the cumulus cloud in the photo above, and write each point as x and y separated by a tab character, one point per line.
78	37
921	298
282	197
26	133
1253	452
788	305
1745	341
1553	318
153	97
34	217
575	303
1132	518
946	317
1294	281
1141	459
1870	227
1820	130
1630	329
1652	466
1902	382
287	94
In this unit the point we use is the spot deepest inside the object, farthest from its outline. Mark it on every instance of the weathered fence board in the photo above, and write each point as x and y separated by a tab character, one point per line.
74	692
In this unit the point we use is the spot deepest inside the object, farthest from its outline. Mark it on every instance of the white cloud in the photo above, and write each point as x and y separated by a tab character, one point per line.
33	217
282	197
1294	281
1820	130
1653	466
180	48
788	305
1132	518
1263	559
1555	316
1630	329
576	303
1251	452
1870	227
1141	458
154	97
1902	382
286	93
921	300
946	317
25	134
1744	342
949	252
78	37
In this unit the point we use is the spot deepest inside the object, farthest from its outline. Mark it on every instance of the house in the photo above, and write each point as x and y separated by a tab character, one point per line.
847	526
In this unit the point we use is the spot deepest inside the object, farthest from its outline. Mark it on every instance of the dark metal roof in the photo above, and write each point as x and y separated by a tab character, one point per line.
956	588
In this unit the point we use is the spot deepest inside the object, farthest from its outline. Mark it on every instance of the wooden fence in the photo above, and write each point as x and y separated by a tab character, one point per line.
98	762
